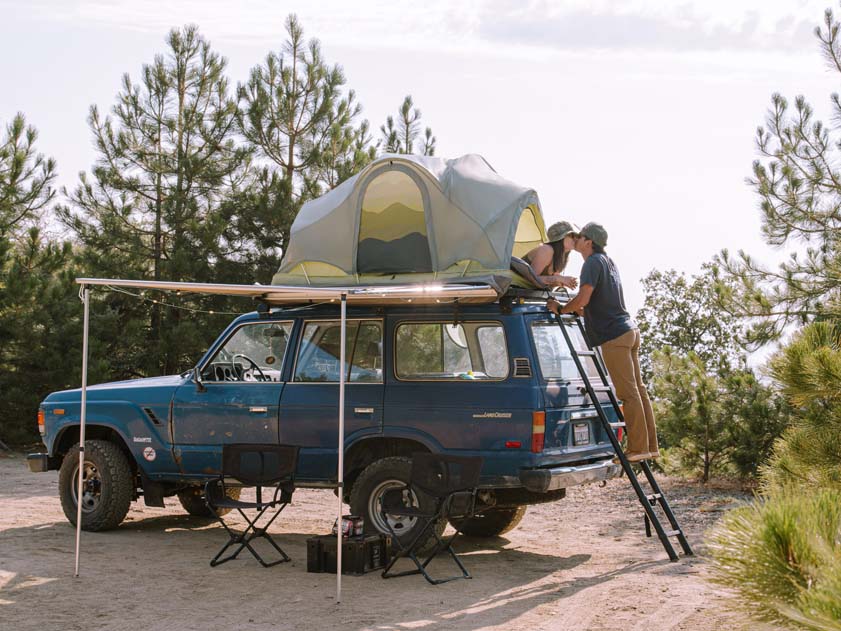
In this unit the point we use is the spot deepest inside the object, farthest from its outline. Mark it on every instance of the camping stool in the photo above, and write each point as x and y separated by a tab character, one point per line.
450	481
258	466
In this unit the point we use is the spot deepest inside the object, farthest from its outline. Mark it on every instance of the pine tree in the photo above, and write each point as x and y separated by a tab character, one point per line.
798	181
39	310
296	116
26	177
401	137
150	209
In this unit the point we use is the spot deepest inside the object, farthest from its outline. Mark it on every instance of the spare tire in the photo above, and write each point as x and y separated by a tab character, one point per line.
490	523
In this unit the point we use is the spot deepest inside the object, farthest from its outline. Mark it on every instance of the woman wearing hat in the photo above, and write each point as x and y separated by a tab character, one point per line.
549	259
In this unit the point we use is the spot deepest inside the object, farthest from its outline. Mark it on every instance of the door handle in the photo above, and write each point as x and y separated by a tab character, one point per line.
363	410
258	410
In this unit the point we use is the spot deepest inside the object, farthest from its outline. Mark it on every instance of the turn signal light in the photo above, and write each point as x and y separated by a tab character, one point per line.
41	421
538	431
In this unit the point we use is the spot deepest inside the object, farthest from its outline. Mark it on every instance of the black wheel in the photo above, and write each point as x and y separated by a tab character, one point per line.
366	500
490	523
107	485
192	500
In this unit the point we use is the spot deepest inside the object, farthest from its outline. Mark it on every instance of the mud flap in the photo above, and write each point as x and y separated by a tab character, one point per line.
153	493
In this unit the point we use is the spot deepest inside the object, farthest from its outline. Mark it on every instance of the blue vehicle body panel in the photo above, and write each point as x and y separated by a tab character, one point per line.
186	425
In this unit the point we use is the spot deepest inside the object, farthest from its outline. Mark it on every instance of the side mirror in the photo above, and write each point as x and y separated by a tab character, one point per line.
200	387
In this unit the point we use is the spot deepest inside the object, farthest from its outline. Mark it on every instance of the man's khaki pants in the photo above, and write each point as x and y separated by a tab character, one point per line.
621	356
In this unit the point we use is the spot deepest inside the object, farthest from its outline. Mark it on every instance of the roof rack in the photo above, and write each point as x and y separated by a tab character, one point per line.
522	296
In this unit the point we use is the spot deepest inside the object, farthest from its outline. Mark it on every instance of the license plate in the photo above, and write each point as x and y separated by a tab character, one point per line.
580	434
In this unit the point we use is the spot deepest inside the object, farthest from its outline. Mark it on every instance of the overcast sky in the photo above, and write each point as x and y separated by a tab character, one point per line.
639	114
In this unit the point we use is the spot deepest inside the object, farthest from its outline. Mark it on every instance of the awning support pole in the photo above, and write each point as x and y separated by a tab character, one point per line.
86	298
341	450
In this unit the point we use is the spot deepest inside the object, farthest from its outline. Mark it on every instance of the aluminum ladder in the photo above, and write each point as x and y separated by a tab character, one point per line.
648	500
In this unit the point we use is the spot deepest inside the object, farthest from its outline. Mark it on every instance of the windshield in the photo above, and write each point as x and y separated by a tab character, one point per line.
554	355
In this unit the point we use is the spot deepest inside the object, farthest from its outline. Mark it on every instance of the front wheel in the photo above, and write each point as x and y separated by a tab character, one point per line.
366	500
490	523
107	485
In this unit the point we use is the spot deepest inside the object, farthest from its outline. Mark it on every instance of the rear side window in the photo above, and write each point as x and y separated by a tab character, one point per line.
554	355
318	354
470	351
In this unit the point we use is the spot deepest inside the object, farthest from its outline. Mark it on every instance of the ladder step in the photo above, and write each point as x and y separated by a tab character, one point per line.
586	353
654	496
615	425
672	533
602	389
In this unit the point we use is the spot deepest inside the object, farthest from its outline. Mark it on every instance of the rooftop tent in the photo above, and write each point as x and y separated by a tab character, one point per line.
408	219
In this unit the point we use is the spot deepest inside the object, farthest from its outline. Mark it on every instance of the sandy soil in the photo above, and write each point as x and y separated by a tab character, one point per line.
582	563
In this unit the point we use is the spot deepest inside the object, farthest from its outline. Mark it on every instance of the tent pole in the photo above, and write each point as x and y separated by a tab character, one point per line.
86	298
341	450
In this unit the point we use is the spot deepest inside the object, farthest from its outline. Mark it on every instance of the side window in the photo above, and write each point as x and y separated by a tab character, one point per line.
443	351
254	352
318	355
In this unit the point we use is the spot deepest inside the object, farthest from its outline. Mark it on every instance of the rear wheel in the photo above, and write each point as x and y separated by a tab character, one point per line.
491	523
192	500
107	485
366	500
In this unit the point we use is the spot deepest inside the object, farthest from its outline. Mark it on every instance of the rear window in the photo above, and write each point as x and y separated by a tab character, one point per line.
470	351
554	355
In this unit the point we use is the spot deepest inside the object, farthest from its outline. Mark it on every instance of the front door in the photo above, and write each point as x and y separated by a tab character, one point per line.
238	399
310	401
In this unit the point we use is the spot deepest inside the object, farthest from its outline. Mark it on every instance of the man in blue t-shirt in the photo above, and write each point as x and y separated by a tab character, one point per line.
609	325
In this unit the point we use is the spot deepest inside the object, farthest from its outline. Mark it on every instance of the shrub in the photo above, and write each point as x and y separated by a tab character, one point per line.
782	555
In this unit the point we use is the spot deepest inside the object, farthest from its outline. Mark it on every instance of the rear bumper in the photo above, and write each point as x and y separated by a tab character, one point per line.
38	463
543	480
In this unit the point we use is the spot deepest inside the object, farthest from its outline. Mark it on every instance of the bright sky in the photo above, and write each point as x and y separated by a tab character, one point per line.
639	114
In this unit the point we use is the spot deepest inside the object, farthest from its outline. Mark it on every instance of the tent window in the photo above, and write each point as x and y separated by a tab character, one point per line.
392	227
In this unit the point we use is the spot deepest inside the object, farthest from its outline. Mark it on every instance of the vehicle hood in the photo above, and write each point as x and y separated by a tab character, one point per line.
149	389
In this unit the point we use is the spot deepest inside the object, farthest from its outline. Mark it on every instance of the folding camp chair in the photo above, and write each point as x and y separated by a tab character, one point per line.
259	466
450	481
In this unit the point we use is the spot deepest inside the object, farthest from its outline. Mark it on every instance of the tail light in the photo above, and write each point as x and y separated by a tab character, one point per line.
41	421
538	431
619	434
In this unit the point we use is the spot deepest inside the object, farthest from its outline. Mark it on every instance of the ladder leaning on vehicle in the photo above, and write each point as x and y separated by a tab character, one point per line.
648	500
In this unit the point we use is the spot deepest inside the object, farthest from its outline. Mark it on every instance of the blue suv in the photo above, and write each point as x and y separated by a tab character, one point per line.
495	380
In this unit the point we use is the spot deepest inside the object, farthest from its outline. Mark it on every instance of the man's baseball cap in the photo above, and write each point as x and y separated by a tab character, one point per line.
558	231
595	232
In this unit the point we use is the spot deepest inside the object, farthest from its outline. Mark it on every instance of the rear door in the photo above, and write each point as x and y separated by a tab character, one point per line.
310	401
572	424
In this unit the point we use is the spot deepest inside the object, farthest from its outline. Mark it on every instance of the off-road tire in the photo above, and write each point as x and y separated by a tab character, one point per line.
116	490
490	523
192	500
372	478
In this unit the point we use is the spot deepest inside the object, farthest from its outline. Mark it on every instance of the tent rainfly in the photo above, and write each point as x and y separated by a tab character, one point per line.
414	219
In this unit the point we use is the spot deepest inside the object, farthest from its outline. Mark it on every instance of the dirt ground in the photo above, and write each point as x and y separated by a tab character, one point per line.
582	563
